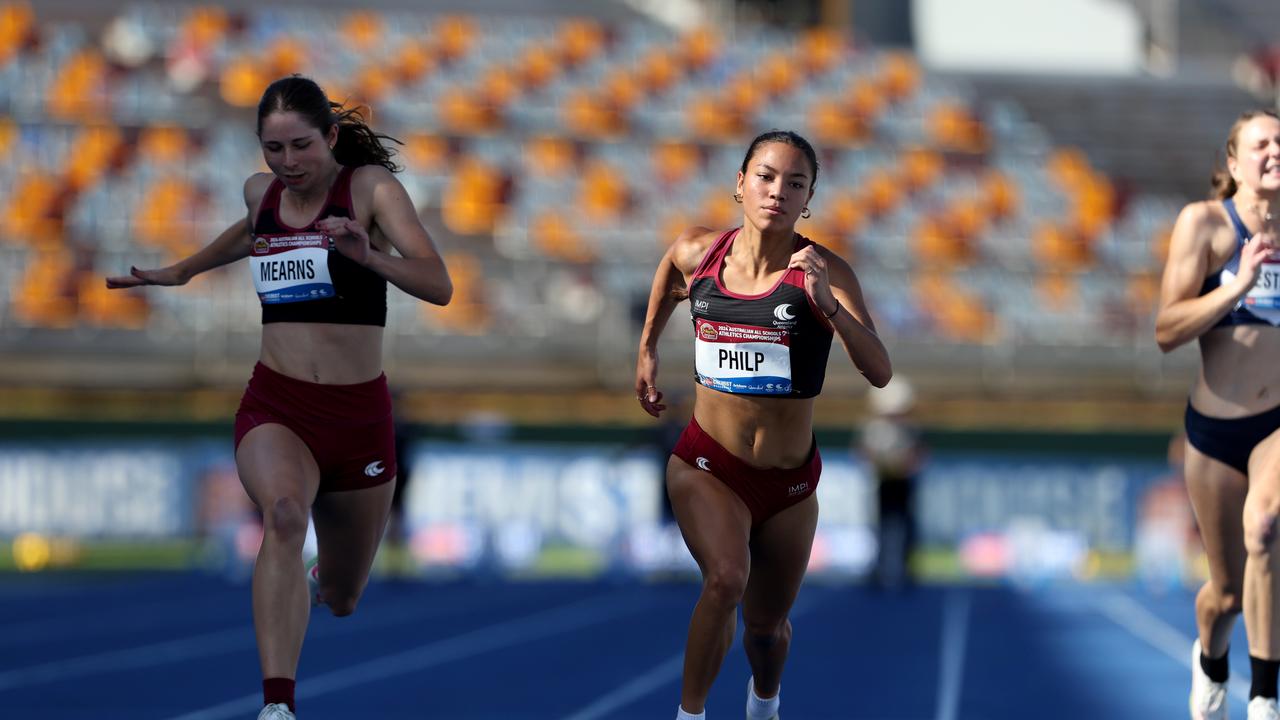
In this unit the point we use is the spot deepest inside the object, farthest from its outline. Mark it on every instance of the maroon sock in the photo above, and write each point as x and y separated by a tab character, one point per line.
278	690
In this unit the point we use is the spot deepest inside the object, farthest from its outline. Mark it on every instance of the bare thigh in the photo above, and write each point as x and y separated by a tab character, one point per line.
349	527
714	521
274	464
1218	493
779	557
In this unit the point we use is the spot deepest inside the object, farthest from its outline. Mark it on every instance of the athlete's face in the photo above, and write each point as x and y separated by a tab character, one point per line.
776	187
1257	162
296	151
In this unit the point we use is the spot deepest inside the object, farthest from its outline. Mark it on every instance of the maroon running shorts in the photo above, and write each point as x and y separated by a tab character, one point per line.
766	491
348	428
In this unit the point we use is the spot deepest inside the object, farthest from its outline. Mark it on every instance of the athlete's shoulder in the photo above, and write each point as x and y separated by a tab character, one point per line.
256	186
1204	214
691	245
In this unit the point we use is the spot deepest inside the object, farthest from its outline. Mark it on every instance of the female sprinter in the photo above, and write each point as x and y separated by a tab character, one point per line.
314	432
765	303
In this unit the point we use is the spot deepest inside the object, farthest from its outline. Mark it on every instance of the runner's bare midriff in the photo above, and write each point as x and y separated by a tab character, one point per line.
1240	372
761	431
326	353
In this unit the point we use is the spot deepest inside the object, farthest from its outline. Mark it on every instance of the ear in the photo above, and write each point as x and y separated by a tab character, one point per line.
741	178
331	137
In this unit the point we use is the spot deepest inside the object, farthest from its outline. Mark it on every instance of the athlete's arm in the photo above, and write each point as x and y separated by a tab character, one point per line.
670	284
835	290
1184	314
232	244
419	270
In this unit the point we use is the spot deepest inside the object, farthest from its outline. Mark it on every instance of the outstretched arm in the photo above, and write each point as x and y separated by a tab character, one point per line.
232	244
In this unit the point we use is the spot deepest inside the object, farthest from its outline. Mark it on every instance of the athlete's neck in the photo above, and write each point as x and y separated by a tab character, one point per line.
1261	206
756	253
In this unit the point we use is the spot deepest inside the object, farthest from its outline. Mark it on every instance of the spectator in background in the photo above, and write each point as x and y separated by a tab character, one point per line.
314	432
891	443
1221	288
766	303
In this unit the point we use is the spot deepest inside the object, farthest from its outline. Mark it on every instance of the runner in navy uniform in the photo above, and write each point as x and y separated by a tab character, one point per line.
1222	286
314	431
765	304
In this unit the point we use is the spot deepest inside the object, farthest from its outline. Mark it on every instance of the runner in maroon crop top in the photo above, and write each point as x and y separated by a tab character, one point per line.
314	430
765	304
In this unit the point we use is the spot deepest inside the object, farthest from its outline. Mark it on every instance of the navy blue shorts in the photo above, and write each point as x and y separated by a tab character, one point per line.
1230	440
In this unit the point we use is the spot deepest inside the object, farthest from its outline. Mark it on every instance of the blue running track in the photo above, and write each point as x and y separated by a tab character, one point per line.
169	646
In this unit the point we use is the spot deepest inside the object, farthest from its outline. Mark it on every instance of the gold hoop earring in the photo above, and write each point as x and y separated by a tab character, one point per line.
805	213
737	197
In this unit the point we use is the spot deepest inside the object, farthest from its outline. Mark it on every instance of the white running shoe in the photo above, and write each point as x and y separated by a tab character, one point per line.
1208	698
751	690
1261	708
276	711
313	581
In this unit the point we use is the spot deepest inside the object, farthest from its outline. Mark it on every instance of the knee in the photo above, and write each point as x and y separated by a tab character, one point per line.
285	520
724	585
765	632
1260	529
1221	600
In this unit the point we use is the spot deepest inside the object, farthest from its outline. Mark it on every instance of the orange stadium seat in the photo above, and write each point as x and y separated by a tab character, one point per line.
719	210
556	237
937	244
828	235
26	218
364	30
412	61
375	81
700	47
957	313
844	213
952	127
899	76
500	85
93	152
714	119
42	297
1143	293
1094	206
163	144
881	192
1160	241
672	224
579	40
466	313
17	23
1000	194
1058	248
549	156
675	162
79	88
538	65
205	26
8	135
473	200
591	115
835	125
920	168
623	88
287	55
658	70
776	74
865	99
820	49
455	35
466	112
1058	291
109	308
967	217
162	217
242	81
603	192
426	153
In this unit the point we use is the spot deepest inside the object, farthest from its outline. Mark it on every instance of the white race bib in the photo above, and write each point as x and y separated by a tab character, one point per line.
291	269
742	358
1263	299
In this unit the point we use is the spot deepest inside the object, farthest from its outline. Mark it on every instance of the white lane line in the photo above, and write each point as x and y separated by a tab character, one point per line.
955	635
664	672
227	639
1148	627
547	623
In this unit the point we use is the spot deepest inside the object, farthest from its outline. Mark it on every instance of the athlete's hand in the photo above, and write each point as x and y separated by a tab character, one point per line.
648	395
1261	248
137	278
349	237
816	282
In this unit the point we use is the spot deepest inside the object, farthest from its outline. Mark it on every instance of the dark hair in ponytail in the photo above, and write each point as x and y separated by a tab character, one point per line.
1222	185
357	143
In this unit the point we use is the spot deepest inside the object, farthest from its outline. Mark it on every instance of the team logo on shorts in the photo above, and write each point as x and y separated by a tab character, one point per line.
374	469
704	464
